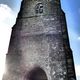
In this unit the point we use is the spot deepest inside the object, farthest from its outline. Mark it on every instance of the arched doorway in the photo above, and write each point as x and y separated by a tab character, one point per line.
37	74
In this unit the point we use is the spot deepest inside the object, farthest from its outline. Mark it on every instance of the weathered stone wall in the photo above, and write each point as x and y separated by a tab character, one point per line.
37	41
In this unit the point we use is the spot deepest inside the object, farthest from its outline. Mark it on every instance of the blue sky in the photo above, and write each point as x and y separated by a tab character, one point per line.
70	7
13	4
72	10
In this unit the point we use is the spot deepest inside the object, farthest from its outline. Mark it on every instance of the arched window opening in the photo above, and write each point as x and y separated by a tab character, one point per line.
39	8
37	74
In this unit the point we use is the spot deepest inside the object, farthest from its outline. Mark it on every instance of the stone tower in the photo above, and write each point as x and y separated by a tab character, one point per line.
39	46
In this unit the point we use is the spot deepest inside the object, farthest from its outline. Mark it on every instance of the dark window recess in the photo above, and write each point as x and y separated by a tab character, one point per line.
39	8
37	74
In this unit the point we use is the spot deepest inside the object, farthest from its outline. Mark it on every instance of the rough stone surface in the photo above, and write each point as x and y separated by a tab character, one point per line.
40	39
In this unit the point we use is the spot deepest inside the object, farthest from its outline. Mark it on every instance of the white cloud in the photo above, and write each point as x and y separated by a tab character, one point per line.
7	16
78	38
78	77
2	65
77	69
7	19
